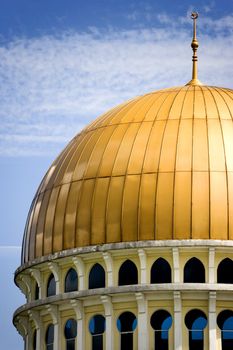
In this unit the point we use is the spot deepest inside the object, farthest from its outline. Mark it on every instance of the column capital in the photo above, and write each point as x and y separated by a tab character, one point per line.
54	268
77	305
107	303
35	317
53	311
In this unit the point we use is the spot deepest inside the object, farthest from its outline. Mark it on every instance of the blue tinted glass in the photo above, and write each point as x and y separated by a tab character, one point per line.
199	323
227	335
228	324
197	335
70	329
134	325
164	334
167	323
97	325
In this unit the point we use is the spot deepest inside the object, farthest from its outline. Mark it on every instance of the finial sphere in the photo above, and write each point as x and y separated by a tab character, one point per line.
194	15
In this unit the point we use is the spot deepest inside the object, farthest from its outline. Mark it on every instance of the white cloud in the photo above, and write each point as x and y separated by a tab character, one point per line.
52	86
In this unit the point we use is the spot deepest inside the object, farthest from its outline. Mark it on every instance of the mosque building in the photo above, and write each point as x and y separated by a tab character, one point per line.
129	239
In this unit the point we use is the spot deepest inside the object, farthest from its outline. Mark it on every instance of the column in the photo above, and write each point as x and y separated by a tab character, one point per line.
212	321
80	267
109	265
54	312
143	265
143	336
211	265
176	265
108	311
36	274
35	317
177	326
79	311
22	328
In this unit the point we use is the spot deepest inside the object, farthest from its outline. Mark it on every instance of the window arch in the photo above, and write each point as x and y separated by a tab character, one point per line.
51	286
126	325
224	272
34	340
70	333
128	273
97	277
161	322
194	271
160	271
71	281
49	337
225	323
97	329
196	321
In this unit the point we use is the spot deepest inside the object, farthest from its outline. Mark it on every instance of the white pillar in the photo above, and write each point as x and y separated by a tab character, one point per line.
177	326
22	327
143	265
107	302
35	317
176	265
80	267
78	308
109	267
212	321
211	265
142	322
36	274
54	312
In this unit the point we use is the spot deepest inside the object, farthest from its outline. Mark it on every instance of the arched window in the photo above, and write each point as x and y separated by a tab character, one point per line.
126	325
194	271
160	272
49	337
97	277
97	328
71	281
51	286
128	273
34	341
161	322
225	323
37	291
70	334
196	321
224	273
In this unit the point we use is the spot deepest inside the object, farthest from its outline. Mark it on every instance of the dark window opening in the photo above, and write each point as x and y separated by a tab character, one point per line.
71	281
161	322
34	340
97	277
194	271
128	273
160	272
225	323
37	291
49	337
51	286
70	334
196	321
224	273
97	328
126	324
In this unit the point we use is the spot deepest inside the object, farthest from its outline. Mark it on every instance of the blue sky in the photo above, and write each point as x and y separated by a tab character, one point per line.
63	63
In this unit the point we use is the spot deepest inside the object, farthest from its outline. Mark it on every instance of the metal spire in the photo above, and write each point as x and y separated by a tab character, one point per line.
194	46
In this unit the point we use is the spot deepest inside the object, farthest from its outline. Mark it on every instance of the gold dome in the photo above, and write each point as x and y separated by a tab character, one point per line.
158	167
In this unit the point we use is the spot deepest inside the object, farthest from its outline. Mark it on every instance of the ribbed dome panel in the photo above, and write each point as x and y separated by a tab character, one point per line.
157	167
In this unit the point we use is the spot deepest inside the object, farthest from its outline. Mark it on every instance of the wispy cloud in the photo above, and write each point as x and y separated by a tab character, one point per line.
53	85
